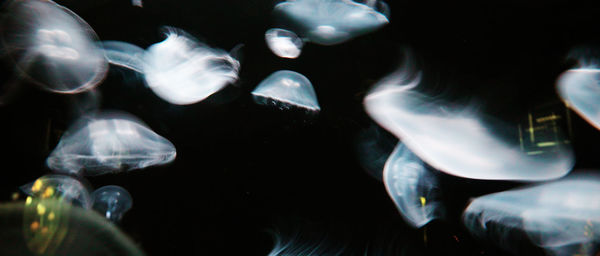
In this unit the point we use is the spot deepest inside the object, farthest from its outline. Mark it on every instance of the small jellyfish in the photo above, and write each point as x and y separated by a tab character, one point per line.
109	142
183	71
112	202
52	46
284	43
125	55
413	188
287	88
61	187
580	89
330	22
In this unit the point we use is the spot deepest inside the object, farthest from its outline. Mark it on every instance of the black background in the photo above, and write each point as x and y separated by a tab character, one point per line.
243	169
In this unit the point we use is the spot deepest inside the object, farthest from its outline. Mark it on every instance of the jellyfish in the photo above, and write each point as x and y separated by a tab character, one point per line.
580	89
562	217
124	55
109	142
112	202
412	187
330	22
52	46
457	141
183	71
284	43
285	89
60	187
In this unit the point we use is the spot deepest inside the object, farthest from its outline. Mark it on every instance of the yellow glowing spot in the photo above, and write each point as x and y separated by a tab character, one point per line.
48	192
546	144
51	216
423	201
34	225
37	185
28	200
14	196
41	209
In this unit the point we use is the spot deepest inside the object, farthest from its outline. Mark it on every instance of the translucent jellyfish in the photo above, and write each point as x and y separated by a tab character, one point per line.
562	217
413	188
284	43
125	55
183	71
52	46
286	88
109	142
580	89
61	187
112	202
330	22
457	141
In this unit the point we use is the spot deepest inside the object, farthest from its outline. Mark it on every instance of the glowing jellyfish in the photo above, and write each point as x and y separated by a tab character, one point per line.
457	141
125	55
284	43
330	22
285	89
52	46
413	188
112	202
109	142
183	71
580	89
61	187
562	217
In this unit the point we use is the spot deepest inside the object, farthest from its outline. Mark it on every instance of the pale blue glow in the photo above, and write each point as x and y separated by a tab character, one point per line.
125	55
109	142
287	88
330	22
52	46
563	217
62	187
580	89
112	202
413	188
284	43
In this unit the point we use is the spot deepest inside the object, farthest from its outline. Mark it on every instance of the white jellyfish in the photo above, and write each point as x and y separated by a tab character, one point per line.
125	55
285	89
413	188
284	43
109	142
52	46
580	89
330	22
60	187
456	141
112	202
562	217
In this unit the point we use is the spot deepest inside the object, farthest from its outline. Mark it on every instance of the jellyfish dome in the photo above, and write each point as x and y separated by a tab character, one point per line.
286	88
109	142
183	71
580	89
284	43
61	187
413	188
330	22
52	46
112	202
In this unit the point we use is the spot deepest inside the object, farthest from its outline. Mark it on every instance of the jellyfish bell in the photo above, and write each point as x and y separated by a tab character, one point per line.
580	89
284	43
109	142
112	202
286	89
52	46
183	71
61	187
330	22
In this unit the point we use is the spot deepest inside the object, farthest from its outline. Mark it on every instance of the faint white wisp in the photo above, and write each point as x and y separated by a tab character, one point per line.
456	141
580	90
299	245
563	217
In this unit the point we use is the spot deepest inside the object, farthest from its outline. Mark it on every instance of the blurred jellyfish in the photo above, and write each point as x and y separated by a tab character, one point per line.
457	142
183	71
285	89
137	3
52	46
563	217
580	89
125	55
330	22
413	188
112	202
373	147
61	187
284	43
109	142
